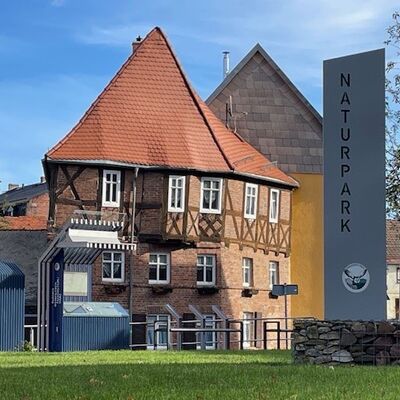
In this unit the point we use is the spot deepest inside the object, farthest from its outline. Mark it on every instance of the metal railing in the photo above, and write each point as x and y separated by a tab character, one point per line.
271	334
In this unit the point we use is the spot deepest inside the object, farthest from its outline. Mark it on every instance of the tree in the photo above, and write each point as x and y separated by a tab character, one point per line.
393	120
3	223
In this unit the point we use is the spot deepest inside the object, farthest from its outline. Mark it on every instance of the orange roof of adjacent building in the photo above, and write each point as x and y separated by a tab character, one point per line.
149	115
24	223
392	241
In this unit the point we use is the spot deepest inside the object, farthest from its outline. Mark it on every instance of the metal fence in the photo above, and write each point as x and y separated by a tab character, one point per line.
224	334
275	333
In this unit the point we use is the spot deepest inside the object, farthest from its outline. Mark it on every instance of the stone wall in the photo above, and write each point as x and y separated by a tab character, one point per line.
346	342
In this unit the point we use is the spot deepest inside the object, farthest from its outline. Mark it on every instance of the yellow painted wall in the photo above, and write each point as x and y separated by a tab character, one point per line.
307	246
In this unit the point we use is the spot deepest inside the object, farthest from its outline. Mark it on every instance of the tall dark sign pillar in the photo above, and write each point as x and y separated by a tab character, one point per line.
354	186
56	307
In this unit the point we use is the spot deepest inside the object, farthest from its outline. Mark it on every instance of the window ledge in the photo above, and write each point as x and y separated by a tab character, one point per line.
210	212
249	292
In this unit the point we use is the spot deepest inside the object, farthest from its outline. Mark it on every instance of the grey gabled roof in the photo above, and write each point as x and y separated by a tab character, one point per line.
283	76
24	193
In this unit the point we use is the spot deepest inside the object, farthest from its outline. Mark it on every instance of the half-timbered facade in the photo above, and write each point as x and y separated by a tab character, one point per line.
260	102
209	217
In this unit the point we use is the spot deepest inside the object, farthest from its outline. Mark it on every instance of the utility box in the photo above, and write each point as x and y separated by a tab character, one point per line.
95	326
12	306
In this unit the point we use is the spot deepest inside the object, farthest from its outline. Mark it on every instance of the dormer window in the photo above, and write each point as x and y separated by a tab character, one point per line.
250	202
111	188
211	194
274	206
176	193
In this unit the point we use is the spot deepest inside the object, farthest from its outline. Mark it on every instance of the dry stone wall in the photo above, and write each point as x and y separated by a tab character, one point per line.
346	342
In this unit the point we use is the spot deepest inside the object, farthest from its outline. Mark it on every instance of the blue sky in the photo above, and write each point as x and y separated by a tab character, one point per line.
57	55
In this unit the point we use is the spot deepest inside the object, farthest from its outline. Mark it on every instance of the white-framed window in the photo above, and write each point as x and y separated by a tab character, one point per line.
113	266
111	188
398	275
273	274
247	269
176	193
248	329
206	269
209	337
158	323
159	268
211	195
250	201
274	205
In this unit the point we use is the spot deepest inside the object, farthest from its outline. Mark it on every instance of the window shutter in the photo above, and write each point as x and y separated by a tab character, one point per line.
139	331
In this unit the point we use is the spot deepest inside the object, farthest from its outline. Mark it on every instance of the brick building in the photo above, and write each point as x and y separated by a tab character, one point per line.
209	214
393	268
26	200
23	232
260	102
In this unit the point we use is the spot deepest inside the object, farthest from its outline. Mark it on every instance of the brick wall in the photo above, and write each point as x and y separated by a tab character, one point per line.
183	281
38	206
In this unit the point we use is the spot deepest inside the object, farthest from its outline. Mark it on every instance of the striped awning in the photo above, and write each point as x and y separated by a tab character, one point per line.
94	239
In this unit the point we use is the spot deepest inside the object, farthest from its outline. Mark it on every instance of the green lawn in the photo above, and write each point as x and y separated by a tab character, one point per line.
187	375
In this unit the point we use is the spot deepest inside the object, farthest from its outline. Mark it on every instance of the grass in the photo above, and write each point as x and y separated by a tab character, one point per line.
187	375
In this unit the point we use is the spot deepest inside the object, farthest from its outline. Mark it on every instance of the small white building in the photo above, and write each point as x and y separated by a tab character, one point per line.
393	268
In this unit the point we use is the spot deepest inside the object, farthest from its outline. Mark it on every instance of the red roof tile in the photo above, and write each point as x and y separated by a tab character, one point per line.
25	223
392	241
150	115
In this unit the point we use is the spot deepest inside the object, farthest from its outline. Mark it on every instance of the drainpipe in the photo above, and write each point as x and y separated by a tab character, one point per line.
132	240
134	204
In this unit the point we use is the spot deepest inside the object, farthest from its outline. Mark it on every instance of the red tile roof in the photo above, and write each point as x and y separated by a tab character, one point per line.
149	115
25	223
392	241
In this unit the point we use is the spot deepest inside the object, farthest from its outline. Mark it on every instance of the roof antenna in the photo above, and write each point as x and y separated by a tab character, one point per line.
225	64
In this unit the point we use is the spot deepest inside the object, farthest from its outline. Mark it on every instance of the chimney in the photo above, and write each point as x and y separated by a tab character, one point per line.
42	179
225	66
136	43
12	186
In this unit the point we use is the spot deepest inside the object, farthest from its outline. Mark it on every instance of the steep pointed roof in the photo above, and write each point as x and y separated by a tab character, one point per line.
149	115
270	113
259	49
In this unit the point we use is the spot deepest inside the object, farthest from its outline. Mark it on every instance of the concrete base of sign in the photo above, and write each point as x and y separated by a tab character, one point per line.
346	342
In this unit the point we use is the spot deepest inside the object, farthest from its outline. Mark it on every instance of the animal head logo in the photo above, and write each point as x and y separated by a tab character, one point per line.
355	278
